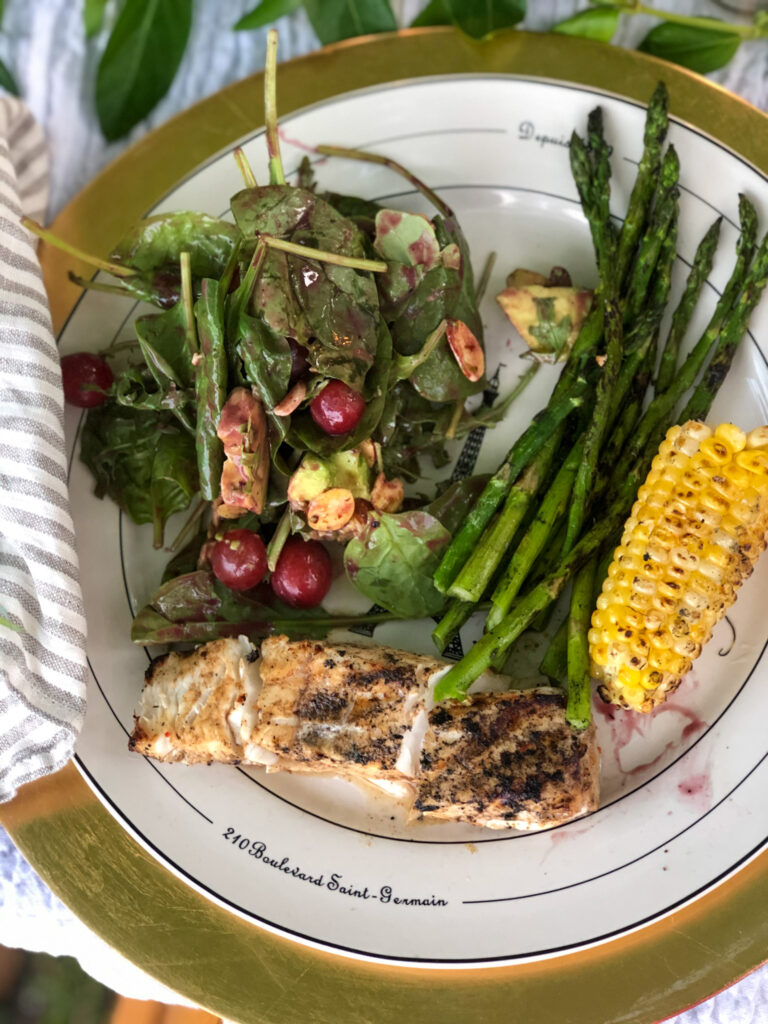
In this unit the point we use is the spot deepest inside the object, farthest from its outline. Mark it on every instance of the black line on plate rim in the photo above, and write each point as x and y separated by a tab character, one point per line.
626	864
325	944
148	760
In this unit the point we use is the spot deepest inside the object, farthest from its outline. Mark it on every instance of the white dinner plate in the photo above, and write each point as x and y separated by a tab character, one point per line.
682	790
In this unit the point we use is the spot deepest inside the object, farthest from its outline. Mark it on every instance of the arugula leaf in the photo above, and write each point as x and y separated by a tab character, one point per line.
700	49
140	61
93	17
7	81
143	461
394	561
595	23
551	334
266	12
478	18
333	20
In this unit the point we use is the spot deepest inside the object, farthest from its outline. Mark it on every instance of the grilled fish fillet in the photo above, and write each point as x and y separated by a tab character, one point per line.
507	758
366	713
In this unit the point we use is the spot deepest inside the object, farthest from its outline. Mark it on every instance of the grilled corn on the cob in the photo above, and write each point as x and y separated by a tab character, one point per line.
695	532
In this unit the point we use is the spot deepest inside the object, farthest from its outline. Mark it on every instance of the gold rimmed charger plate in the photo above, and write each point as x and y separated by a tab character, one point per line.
171	931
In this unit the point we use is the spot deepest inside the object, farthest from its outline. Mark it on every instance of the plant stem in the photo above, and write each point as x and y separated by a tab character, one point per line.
276	173
185	533
279	537
116	269
693	21
393	165
403	366
245	168
485	277
375	266
578	712
188	298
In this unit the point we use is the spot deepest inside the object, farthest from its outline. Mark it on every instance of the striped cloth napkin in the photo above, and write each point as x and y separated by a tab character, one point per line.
42	622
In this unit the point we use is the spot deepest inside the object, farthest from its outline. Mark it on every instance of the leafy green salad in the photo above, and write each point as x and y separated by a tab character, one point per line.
302	361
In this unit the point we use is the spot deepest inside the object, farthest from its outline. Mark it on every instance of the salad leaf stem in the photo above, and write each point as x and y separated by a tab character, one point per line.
403	366
279	537
485	277
374	266
245	168
187	530
188	298
393	165
276	173
116	269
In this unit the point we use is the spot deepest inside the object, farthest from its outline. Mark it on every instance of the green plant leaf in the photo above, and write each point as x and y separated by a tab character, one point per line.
140	61
93	17
342	19
595	23
157	242
7	81
144	461
267	12
394	561
478	18
700	49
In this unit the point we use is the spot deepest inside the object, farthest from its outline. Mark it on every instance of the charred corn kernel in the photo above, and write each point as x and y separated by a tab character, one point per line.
695	532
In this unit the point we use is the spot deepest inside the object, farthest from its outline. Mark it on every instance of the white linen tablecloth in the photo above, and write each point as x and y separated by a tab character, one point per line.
43	41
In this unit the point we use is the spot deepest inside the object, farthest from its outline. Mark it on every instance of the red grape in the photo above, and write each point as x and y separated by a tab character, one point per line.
337	409
303	573
239	559
81	369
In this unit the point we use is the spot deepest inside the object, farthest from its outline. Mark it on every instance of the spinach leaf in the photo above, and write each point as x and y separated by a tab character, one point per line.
478	18
196	607
7	81
394	561
361	212
140	61
137	389
700	49
266	12
163	341
144	461
266	358
305	433
333	20
160	240
451	507
436	283
334	308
